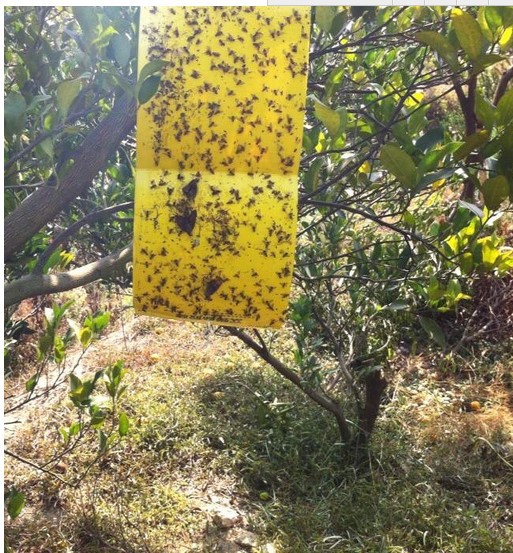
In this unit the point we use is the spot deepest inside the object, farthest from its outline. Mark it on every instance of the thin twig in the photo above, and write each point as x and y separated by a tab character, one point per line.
74	228
37	467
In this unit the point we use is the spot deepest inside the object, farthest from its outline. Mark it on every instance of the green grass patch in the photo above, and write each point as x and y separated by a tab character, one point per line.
438	478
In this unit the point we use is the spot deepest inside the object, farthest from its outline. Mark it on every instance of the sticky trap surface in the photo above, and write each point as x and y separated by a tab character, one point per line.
218	152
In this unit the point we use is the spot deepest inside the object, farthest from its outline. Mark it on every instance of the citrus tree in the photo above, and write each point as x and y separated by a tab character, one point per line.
69	157
407	170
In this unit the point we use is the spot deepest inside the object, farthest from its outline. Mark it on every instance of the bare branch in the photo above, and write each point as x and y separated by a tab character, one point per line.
74	228
503	85
37	467
36	285
327	403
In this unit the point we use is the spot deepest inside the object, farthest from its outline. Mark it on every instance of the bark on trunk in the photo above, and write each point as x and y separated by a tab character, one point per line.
375	385
91	157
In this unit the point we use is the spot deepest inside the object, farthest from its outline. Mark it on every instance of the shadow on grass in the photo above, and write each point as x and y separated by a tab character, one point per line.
309	497
241	427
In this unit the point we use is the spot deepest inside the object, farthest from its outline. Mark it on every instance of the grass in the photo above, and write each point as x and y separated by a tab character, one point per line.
210	423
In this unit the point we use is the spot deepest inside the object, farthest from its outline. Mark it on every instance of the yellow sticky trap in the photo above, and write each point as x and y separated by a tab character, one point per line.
218	152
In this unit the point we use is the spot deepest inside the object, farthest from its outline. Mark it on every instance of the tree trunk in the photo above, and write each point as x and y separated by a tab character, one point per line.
471	125
91	157
375	385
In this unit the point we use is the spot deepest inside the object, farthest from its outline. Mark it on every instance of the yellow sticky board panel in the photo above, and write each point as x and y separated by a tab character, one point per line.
218	152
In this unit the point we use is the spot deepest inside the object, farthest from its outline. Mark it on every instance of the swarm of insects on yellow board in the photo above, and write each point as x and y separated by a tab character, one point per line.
218	151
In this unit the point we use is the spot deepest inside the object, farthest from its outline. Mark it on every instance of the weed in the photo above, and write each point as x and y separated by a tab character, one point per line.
210	421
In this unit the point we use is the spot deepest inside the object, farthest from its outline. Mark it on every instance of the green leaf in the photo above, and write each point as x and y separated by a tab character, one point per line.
104	38
486	60
44	344
397	305
433	330
506	40
409	219
483	23
337	75
334	120
441	46
417	122
85	336
339	22
493	17
14	113
64	435
74	382
100	321
342	113
471	207
432	159
504	263
151	68
471	143
124	424
121	47
400	164
490	254
15	503
485	110
67	91
466	261
87	19
112	377
81	395
430	139
119	172
31	382
468	32
148	89
47	147
40	98
59	350
98	416
506	15
53	261
430	178
74	429
505	107
324	16
311	178
495	191
103	441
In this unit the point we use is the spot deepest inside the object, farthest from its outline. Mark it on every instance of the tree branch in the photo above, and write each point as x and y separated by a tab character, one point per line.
92	156
503	85
70	231
325	402
44	135
36	285
35	466
406	234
